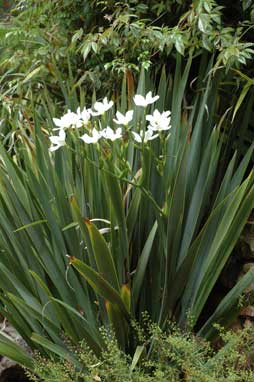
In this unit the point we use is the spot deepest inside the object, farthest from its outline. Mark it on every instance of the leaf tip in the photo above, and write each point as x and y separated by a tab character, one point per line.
107	305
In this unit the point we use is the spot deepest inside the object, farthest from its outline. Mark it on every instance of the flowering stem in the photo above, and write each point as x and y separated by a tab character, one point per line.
126	180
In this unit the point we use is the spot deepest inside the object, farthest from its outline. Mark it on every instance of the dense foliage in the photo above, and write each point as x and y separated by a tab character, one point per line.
114	224
175	356
99	40
88	46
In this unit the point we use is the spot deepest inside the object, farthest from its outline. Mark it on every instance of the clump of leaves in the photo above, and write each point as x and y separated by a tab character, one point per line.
175	229
174	356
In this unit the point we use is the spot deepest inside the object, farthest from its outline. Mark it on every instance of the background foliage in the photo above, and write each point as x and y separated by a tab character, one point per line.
88	46
92	36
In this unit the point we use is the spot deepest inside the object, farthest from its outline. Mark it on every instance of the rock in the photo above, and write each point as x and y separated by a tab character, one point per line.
248	311
14	374
247	324
7	364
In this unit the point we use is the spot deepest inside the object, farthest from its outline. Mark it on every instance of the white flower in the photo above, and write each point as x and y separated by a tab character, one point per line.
67	120
159	121
96	135
57	140
144	101
147	137
101	107
123	119
109	133
83	117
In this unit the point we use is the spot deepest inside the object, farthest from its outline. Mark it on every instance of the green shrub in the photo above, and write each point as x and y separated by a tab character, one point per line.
175	356
99	40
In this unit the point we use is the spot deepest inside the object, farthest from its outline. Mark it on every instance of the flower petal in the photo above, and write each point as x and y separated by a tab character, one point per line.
139	100
137	137
54	148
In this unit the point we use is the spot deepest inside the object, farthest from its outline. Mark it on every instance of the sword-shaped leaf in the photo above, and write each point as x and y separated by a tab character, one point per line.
99	284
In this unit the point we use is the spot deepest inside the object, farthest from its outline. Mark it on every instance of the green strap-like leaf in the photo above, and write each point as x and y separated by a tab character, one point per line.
11	350
228	231
32	224
92	336
228	307
99	284
142	265
103	256
119	324
56	349
138	353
